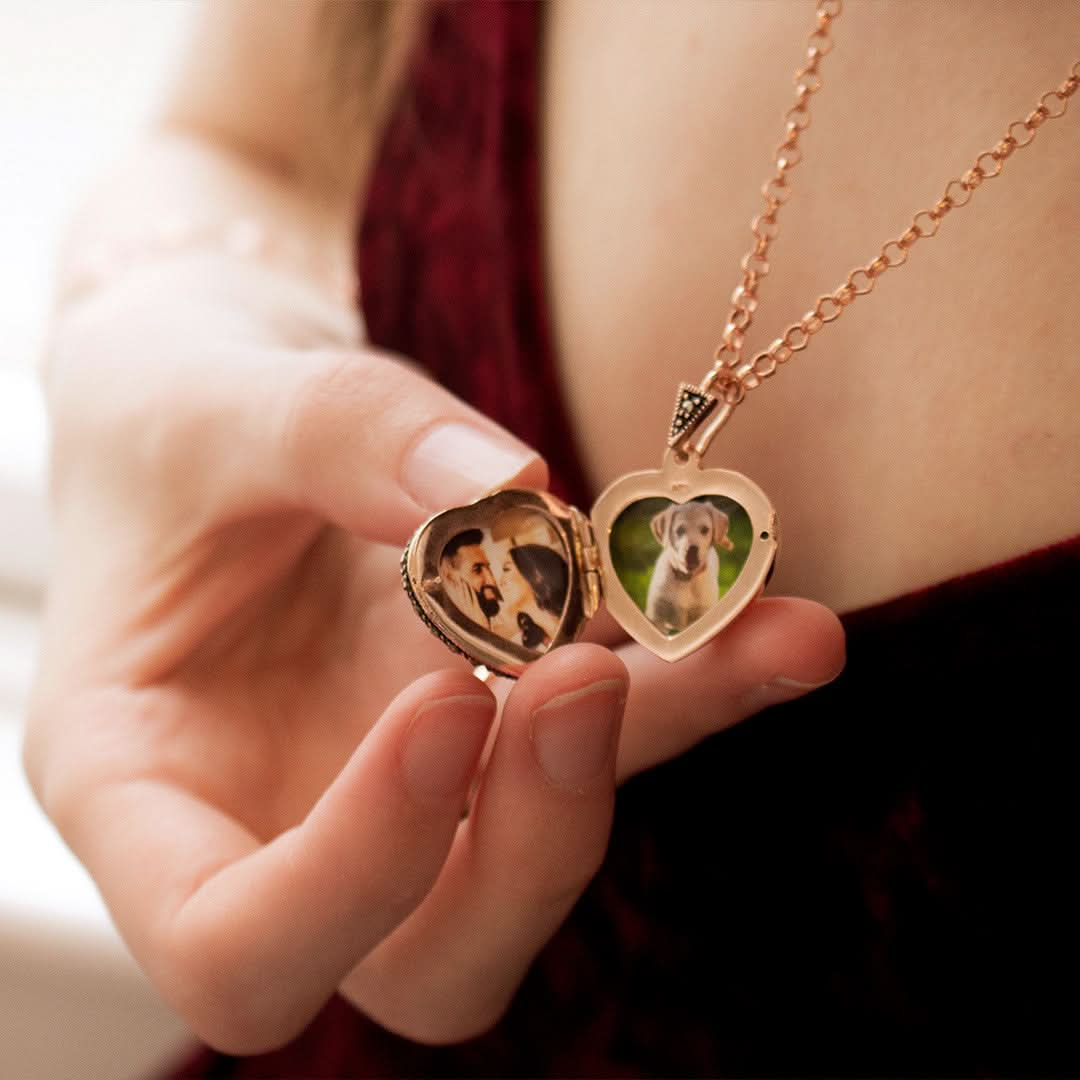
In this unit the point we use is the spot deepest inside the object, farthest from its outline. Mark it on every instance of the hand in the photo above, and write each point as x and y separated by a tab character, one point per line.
239	724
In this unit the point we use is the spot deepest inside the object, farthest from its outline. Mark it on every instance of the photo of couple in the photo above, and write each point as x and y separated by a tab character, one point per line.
510	578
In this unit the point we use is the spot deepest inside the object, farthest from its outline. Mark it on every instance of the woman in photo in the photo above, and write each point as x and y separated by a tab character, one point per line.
533	582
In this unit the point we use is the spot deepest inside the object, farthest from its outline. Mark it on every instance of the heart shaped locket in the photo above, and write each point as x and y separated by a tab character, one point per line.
674	554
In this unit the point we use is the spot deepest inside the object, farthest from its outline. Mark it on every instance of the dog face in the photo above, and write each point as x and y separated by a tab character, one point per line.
686	532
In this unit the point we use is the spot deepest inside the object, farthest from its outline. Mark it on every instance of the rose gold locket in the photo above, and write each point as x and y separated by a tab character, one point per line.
675	554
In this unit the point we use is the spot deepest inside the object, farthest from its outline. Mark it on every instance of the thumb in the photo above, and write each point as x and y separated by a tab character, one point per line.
375	446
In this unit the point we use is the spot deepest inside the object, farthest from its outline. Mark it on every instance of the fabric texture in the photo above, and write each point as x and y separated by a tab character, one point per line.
873	880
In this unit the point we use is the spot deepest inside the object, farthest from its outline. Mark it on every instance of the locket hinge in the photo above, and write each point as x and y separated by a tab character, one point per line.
587	556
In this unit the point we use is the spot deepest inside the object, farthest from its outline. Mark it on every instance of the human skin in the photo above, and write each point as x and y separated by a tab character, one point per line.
477	570
934	428
232	683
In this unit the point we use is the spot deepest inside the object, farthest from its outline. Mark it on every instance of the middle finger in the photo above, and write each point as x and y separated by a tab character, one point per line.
536	835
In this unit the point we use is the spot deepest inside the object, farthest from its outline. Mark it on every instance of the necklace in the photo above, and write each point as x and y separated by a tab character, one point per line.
676	553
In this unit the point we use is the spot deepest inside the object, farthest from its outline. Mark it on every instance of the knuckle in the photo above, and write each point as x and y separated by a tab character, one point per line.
466	1009
337	389
551	877
439	1029
53	775
232	1026
223	998
206	979
374	399
79	745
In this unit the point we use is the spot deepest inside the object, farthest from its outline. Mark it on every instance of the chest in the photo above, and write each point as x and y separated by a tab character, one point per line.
933	429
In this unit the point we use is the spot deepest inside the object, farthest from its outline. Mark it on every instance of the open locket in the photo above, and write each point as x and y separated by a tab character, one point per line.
675	555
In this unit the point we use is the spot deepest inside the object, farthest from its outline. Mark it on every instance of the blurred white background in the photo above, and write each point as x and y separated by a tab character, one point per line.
78	78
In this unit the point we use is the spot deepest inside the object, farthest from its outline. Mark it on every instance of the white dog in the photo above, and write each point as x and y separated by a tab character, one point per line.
684	584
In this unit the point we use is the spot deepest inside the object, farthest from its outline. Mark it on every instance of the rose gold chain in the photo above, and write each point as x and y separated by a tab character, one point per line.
731	377
776	191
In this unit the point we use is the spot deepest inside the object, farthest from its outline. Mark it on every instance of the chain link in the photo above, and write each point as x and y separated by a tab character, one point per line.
731	377
775	190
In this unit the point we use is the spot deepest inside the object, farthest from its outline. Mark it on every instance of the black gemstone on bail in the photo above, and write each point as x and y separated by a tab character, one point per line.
691	407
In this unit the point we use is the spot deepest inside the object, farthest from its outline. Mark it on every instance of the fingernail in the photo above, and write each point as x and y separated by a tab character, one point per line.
441	751
784	683
456	463
574	734
777	691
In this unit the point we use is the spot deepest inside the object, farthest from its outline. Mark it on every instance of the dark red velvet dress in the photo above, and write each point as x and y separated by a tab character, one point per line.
875	880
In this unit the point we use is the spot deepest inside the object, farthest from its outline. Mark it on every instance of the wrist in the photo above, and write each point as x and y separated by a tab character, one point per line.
93	267
182	193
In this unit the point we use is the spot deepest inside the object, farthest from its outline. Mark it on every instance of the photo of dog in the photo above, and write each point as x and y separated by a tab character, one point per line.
677	560
685	581
510	578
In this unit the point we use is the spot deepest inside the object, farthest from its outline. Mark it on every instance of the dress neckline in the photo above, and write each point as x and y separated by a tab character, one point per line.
1014	569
